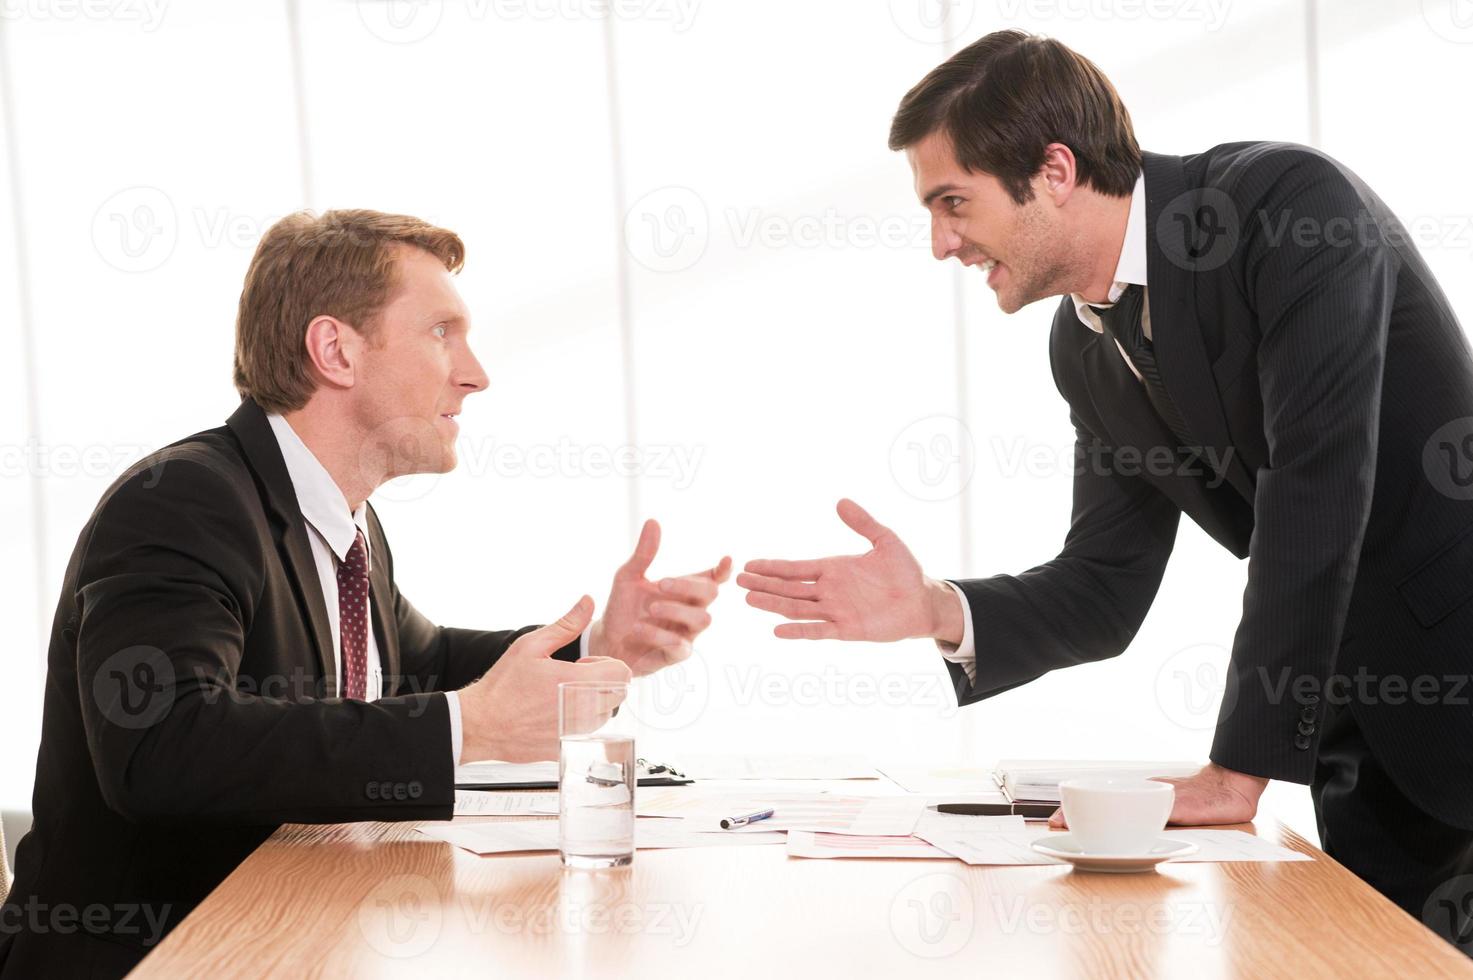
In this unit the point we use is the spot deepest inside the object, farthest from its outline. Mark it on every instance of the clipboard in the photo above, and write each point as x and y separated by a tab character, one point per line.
543	775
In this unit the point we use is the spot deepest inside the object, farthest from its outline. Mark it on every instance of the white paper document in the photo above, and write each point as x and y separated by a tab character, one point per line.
1214	846
470	802
505	836
892	816
804	843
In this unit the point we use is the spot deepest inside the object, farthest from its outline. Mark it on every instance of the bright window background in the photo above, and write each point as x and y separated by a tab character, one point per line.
685	234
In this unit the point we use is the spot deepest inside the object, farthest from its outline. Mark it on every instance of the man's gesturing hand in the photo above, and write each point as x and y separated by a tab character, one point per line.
511	712
880	595
650	625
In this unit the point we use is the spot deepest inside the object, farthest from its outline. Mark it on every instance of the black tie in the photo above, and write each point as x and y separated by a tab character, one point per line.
1122	322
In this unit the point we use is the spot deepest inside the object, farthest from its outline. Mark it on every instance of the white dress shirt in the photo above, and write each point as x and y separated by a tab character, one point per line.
1130	269
331	529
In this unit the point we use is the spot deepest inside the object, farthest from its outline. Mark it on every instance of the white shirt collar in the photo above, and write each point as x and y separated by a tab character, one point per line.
321	501
1131	268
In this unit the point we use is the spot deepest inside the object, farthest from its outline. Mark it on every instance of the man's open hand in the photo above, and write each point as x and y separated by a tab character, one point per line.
649	625
881	595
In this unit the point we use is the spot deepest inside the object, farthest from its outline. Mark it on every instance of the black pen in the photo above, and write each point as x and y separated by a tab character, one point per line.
1028	811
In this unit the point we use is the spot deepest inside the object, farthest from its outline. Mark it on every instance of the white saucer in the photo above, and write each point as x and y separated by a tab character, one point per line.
1066	848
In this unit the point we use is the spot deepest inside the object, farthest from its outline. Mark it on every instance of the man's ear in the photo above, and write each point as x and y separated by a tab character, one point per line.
1057	178
333	348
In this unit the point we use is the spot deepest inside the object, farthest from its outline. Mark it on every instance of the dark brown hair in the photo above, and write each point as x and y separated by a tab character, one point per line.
338	264
1003	98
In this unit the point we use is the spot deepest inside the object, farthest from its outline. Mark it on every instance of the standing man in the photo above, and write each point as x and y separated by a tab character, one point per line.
1246	336
231	650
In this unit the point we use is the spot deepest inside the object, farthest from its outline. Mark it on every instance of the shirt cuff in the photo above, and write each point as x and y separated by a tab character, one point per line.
583	644
965	654
452	701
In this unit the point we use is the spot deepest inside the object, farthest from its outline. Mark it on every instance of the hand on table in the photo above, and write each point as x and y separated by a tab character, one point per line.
1212	795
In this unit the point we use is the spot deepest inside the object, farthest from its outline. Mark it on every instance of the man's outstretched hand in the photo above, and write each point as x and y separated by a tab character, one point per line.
881	595
1211	795
649	625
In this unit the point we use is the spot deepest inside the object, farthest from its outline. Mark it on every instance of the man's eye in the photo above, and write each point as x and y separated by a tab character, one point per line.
952	202
440	330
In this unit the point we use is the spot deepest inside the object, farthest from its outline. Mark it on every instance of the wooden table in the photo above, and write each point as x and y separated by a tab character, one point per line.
379	900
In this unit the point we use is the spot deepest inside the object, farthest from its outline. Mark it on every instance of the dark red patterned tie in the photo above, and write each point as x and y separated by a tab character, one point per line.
353	618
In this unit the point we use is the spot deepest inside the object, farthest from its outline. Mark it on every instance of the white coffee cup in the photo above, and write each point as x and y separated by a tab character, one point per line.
1111	815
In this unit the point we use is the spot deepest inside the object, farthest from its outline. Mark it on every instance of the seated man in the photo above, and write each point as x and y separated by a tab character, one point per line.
230	651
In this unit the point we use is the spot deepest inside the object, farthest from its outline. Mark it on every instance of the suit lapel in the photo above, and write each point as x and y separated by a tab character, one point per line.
264	456
1176	336
1121	404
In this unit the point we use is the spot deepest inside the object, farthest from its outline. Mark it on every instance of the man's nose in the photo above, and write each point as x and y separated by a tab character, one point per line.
945	242
471	376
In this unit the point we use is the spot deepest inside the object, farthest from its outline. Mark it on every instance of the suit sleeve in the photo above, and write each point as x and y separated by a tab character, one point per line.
1323	302
168	584
1087	603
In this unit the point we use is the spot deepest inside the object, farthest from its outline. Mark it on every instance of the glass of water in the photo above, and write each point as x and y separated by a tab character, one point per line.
596	776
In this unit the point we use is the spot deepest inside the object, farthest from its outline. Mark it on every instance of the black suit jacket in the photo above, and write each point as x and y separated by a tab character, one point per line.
1316	361
189	704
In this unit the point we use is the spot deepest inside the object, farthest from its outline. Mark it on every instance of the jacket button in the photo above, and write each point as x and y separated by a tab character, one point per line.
1307	714
1305	728
1301	741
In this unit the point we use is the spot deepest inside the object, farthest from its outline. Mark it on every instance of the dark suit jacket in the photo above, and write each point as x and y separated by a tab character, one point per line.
189	707
1313	356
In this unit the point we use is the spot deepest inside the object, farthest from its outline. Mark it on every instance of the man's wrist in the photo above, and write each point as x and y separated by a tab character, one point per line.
596	643
947	622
